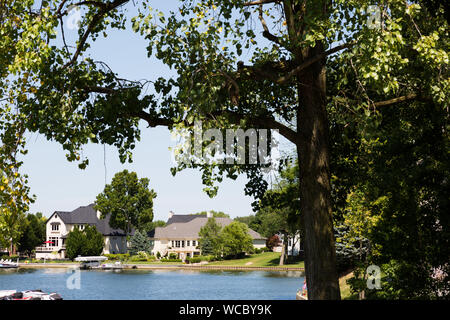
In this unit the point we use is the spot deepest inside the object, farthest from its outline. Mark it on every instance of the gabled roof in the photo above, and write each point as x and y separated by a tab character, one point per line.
88	215
188	226
181	218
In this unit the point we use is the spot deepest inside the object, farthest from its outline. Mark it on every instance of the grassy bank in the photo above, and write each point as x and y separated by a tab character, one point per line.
346	294
266	259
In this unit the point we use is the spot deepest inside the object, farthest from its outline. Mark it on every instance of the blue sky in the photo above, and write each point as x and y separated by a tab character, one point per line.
61	185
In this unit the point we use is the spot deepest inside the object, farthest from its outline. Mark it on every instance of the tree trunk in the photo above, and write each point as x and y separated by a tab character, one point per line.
315	189
12	248
283	251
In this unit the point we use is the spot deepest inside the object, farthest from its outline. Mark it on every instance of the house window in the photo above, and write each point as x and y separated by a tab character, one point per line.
188	243
54	241
193	243
81	226
55	227
182	243
177	243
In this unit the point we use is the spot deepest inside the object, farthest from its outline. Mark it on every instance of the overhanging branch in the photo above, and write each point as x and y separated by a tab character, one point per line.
408	97
311	61
260	2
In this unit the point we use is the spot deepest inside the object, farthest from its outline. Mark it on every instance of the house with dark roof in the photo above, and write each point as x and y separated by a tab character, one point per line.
60	223
180	235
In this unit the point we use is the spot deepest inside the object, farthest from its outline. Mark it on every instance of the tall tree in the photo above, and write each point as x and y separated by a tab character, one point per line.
76	243
33	233
128	200
87	242
235	239
209	238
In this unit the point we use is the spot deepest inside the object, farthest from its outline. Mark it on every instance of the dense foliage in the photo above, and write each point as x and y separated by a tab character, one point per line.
228	241
86	242
235	239
209	240
33	234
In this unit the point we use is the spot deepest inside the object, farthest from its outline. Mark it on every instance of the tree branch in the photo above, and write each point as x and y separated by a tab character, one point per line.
311	61
408	97
262	122
266	33
260	2
105	8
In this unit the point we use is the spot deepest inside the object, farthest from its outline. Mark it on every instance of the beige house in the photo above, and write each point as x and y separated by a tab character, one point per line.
61	223
180	235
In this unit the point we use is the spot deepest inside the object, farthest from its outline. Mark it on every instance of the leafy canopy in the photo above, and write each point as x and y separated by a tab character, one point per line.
128	200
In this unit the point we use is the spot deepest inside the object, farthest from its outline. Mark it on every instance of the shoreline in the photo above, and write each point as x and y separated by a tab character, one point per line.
173	267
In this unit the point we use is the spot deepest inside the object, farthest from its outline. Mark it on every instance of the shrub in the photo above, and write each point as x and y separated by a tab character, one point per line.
137	257
171	260
173	256
119	256
198	259
7	257
273	241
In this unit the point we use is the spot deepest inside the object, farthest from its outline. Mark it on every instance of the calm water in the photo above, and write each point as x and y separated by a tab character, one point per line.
158	284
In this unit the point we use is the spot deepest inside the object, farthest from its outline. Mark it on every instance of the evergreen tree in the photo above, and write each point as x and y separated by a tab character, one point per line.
139	242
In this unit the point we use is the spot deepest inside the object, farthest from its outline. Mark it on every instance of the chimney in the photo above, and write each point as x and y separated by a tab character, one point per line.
171	214
99	214
209	214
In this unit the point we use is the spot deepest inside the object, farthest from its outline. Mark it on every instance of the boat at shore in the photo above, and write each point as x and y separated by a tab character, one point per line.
90	262
110	266
28	295
8	264
300	296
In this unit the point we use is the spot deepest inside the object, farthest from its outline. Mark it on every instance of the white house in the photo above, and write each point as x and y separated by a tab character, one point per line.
180	235
60	223
294	247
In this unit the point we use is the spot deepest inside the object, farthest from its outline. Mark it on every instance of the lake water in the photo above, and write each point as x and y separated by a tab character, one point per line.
156	284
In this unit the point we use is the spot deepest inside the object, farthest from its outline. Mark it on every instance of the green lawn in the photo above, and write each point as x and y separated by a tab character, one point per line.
266	259
151	262
346	294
